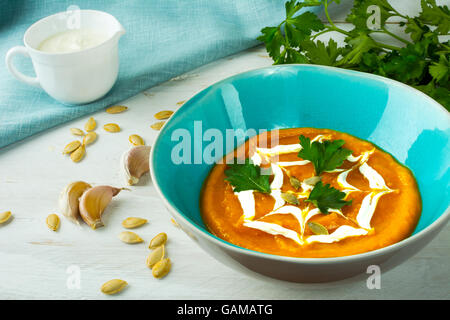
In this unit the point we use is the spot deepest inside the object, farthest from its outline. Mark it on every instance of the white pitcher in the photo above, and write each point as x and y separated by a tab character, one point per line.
73	77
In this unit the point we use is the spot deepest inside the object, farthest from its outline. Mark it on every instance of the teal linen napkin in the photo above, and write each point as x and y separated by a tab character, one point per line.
164	38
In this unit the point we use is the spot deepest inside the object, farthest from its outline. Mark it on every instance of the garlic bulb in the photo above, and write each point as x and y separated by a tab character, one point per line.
135	163
69	200
93	202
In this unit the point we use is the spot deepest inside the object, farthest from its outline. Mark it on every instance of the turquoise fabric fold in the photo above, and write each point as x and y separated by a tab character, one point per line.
164	38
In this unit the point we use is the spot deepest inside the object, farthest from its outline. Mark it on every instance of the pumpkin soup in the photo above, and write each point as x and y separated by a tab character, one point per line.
315	193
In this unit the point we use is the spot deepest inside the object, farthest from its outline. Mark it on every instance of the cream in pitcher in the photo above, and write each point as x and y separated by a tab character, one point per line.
73	64
73	40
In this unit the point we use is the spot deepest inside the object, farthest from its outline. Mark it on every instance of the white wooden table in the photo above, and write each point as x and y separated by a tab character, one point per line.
36	263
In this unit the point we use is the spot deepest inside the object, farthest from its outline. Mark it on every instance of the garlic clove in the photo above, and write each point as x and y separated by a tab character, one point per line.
93	202
69	199
135	163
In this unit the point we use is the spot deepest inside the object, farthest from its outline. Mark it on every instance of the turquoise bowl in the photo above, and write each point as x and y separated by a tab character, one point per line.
401	120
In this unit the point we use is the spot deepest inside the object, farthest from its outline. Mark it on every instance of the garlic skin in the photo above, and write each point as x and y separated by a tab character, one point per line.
69	200
93	202
135	163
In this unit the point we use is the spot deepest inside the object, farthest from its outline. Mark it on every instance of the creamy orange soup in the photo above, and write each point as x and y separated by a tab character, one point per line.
385	201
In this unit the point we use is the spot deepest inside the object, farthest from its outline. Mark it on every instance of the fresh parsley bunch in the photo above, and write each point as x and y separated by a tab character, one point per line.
423	60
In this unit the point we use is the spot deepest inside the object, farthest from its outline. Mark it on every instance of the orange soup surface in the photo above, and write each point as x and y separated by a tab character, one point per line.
385	201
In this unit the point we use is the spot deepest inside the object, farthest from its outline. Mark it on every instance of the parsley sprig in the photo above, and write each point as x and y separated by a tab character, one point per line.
325	156
326	197
422	61
247	176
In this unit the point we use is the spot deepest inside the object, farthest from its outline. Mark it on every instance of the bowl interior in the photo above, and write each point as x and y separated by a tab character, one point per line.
400	120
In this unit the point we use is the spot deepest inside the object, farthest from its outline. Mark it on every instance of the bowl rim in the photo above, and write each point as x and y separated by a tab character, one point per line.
433	227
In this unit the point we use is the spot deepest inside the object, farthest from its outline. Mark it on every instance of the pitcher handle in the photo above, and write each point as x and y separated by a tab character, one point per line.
19	75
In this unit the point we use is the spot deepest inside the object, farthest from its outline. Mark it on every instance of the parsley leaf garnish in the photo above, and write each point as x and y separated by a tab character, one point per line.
321	53
326	197
440	70
247	176
435	15
325	156
421	61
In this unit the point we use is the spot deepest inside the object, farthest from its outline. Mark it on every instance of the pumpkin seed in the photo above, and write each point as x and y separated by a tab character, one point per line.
136	140
163	115
161	268
78	154
130	237
89	138
317	228
111	127
174	223
71	147
290	198
157	125
4	216
158	240
155	256
113	286
116	109
77	132
90	125
133	222
179	103
312	181
52	222
295	183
